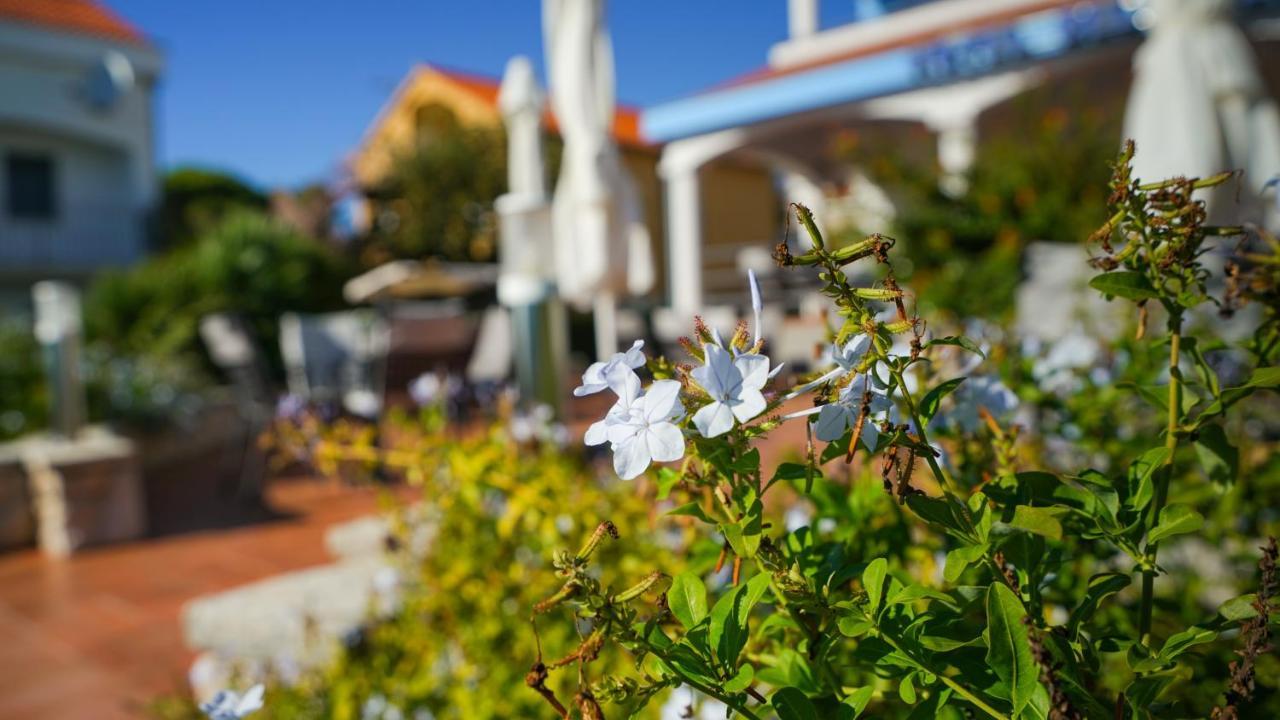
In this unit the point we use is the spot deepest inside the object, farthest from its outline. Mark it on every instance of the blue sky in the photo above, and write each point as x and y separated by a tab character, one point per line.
278	91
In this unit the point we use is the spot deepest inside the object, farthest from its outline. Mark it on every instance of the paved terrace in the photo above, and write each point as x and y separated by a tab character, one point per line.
98	635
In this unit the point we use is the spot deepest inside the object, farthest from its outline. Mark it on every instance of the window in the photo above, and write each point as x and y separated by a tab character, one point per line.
30	182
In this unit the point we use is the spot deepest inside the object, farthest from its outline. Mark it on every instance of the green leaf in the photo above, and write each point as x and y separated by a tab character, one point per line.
1184	641
958	341
1239	608
873	581
907	689
687	599
741	680
729	619
1267	377
1039	520
1141	472
929	404
1126	284
692	509
1175	520
667	479
748	463
960	559
1008	648
940	511
1217	455
854	626
1143	691
856	702
791	704
1101	587
910	593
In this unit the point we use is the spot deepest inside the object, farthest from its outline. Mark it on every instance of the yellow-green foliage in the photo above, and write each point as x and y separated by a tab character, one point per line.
461	643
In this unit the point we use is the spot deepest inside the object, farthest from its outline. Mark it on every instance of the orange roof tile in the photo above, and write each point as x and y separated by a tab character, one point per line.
86	17
626	119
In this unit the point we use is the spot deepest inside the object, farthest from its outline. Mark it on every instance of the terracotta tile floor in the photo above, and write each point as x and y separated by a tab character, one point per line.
98	635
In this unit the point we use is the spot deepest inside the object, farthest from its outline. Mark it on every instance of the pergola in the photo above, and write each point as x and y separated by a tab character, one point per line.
938	65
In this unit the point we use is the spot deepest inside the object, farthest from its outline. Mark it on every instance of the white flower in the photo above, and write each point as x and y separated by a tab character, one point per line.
227	705
981	391
846	357
599	374
849	356
734	385
626	385
425	389
647	431
837	417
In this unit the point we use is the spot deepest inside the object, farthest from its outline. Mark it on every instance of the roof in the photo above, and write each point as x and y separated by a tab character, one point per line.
1035	30
626	119
84	17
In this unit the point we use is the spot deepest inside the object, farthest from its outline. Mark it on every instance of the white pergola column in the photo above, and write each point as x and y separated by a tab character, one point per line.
684	240
802	18
957	150
678	169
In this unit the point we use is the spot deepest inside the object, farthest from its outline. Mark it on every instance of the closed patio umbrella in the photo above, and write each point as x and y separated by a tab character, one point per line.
601	243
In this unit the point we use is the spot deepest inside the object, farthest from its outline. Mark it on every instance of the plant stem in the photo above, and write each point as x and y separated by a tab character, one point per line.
1165	474
943	480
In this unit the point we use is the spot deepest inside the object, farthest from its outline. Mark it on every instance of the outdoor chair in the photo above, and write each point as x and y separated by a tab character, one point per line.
230	344
336	359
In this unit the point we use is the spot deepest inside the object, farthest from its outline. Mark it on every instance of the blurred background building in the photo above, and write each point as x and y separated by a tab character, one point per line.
79	176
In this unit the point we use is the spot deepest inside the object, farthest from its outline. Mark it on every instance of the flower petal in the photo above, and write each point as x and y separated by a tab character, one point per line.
870	434
666	442
754	370
597	434
634	357
833	420
662	400
750	403
630	458
624	382
251	701
714	419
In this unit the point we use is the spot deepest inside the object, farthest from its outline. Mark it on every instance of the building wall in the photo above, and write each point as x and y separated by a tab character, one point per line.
397	128
103	158
741	208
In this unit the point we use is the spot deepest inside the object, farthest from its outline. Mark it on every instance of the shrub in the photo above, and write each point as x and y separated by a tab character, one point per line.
248	265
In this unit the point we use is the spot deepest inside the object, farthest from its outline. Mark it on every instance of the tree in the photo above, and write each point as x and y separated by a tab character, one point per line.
195	200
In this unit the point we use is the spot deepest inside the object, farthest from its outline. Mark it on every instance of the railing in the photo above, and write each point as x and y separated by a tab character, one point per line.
80	237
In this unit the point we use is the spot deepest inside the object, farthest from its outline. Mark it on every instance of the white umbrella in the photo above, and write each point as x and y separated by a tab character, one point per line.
1198	105
601	244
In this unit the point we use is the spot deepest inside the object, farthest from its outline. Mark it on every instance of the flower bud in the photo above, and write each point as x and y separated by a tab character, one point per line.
856	251
805	216
882	294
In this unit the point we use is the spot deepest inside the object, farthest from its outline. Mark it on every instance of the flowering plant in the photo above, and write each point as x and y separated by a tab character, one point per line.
977	589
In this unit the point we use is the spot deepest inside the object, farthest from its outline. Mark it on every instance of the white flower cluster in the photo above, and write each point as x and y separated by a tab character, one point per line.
643	425
835	418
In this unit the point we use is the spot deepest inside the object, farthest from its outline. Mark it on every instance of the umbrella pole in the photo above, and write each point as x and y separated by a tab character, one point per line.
605	317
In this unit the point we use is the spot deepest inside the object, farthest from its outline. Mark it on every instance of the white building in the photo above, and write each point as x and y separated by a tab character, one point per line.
77	161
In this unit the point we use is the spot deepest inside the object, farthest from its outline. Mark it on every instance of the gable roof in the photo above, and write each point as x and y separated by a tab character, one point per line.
626	119
83	17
